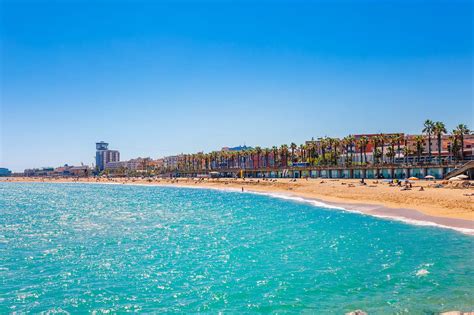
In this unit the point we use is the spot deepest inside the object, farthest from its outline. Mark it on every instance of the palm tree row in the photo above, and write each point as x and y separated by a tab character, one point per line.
385	149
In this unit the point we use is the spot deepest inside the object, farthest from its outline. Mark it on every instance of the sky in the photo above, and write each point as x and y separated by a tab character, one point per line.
156	78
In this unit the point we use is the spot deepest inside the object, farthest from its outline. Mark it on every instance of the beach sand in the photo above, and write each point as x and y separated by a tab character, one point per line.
450	205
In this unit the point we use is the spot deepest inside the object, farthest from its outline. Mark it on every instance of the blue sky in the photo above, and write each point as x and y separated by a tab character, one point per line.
159	78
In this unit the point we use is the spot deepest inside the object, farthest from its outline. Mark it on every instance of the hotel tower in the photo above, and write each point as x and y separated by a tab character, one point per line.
103	155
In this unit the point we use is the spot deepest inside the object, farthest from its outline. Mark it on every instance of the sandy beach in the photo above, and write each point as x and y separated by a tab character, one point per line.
450	205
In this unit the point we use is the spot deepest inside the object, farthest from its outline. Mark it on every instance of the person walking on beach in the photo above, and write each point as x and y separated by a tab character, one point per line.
242	189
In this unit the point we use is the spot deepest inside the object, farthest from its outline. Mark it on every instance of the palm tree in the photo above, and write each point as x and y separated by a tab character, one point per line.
350	140
393	139
214	157
311	148
323	143
284	154
345	149
275	155
258	152
439	129
382	140
399	139
363	146
303	149
360	147
266	153
333	145
429	127
419	140
391	153
375	143
453	146
460	131
406	152
337	151
293	147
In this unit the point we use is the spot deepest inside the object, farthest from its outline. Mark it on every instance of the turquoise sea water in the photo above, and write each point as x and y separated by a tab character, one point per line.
80	248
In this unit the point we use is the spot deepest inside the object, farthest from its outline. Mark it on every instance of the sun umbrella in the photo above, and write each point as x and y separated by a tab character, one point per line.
462	176
452	179
429	177
413	178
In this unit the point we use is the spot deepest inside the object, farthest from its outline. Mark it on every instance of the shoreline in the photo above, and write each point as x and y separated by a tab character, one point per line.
411	215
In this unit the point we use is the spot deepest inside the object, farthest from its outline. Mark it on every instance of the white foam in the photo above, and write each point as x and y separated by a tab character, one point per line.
321	204
422	272
316	203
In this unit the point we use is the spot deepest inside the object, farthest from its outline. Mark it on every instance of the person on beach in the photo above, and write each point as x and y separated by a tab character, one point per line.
242	189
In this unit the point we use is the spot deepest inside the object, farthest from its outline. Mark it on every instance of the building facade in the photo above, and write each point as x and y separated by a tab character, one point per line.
5	172
44	171
103	155
171	162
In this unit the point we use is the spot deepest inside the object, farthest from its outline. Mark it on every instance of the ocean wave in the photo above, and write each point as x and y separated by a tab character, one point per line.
322	204
316	203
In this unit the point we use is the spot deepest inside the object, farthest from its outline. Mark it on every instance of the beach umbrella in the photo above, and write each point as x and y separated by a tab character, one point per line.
452	179
413	178
429	177
462	176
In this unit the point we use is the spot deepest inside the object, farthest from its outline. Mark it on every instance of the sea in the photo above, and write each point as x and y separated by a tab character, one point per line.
98	248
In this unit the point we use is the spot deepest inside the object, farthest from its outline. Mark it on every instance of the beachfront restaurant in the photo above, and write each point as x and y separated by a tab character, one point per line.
399	173
385	173
435	172
416	172
357	173
370	173
346	174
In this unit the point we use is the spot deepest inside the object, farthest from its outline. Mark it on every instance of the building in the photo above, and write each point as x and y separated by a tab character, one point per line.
138	164
44	171
158	163
68	170
103	155
171	162
5	171
237	149
80	171
116	165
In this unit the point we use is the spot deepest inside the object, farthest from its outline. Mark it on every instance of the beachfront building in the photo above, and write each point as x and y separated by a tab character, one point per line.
66	170
5	171
137	165
104	155
36	172
62	170
389	155
370	148
170	163
115	165
237	148
448	145
382	155
80	171
132	164
158	164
